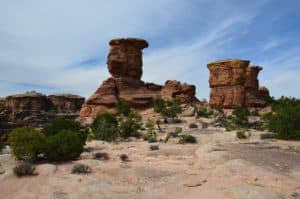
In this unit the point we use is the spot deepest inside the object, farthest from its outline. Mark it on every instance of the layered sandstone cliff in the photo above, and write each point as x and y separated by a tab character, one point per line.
234	83
125	66
36	109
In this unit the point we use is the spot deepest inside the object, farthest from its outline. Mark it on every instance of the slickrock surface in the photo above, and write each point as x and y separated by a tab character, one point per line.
124	63
218	166
234	83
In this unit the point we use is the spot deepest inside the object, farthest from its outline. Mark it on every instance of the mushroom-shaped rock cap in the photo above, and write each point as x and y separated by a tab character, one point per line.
138	43
233	62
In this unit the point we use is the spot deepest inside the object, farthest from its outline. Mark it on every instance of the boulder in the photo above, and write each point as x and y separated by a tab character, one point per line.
175	89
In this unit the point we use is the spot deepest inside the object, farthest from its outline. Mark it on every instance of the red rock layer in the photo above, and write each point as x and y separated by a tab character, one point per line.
234	83
125	66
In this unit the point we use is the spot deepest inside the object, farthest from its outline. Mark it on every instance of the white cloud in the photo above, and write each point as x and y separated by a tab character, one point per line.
41	41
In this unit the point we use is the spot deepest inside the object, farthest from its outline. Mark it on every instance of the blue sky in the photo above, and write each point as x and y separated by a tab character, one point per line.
60	46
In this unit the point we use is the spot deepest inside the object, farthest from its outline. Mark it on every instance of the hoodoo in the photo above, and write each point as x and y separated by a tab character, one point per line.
125	66
234	83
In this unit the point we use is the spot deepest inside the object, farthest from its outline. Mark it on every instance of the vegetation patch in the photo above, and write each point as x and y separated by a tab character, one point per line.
187	139
81	169
104	127
101	156
284	121
24	169
26	143
243	134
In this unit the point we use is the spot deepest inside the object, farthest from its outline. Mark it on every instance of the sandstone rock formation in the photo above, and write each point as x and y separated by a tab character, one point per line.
234	83
66	102
125	84
36	109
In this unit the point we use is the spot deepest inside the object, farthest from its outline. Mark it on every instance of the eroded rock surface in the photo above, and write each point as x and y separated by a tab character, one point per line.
36	109
234	83
125	84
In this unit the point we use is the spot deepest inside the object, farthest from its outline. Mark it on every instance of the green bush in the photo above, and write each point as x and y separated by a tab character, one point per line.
159	105
172	110
65	145
123	108
243	134
254	113
101	156
240	117
59	124
150	136
24	169
124	157
178	130
26	143
284	121
129	126
187	139
1	145
193	126
104	127
169	109
204	112
81	169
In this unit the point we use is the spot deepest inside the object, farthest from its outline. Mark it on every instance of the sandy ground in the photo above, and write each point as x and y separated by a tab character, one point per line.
218	166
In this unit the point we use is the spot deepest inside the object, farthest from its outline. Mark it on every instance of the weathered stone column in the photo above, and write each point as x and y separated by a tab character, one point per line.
227	80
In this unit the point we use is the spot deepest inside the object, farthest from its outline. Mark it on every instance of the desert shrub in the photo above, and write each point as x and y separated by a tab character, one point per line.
254	113
177	130
267	136
172	110
65	145
240	118
81	169
204	125
26	143
243	134
59	124
154	147
284	122
159	105
24	169
187	139
104	127
130	125
193	126
150	135
157	122
1	145
204	112
123	108
101	156
124	157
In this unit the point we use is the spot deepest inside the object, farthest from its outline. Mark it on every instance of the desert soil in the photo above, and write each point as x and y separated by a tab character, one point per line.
218	166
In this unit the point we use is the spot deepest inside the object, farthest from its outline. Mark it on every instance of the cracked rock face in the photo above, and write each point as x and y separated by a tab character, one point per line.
125	63
234	83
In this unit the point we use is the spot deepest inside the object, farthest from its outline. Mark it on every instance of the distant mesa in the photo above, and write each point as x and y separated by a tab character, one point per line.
234	82
36	109
125	66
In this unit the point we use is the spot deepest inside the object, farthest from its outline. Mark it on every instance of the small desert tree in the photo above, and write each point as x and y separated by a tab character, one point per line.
104	127
130	125
284	121
123	108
